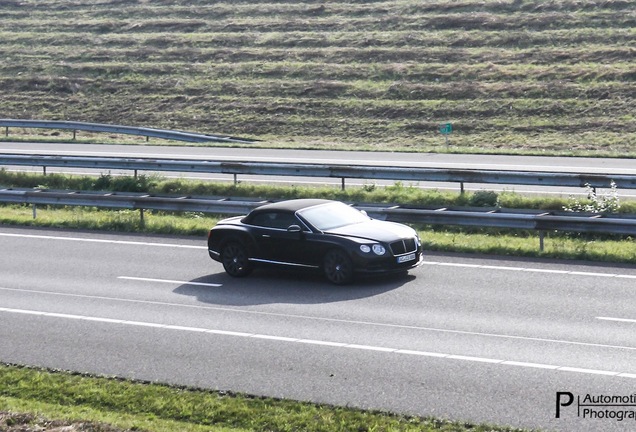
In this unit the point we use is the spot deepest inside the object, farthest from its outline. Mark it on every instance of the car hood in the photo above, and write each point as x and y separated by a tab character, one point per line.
375	230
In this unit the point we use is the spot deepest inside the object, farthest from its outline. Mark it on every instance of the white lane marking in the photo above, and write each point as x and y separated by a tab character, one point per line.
617	319
317	342
274	338
421	353
589	371
168	281
370	348
531	365
530	269
536	270
324	343
335	320
474	359
579	273
91	240
492	267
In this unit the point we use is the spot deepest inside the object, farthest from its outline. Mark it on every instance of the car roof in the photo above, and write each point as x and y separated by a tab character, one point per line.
292	205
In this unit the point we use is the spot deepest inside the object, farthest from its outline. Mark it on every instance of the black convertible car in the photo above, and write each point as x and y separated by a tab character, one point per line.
313	233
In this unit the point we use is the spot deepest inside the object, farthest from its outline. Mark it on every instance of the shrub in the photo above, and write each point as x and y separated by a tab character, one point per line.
484	198
595	203
140	183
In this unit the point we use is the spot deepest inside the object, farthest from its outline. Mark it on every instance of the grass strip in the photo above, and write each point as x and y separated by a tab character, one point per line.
399	192
150	406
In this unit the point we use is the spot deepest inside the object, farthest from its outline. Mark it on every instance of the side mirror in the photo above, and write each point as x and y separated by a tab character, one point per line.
294	229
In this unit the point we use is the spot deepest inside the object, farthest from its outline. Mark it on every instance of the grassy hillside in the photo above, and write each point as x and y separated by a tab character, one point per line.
533	75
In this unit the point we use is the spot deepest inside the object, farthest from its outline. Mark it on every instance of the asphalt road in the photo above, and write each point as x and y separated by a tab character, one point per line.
426	160
462	337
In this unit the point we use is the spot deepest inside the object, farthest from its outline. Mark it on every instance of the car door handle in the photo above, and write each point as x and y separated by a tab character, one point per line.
265	236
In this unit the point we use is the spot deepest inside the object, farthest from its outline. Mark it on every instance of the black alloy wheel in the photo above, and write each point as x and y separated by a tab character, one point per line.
235	259
338	267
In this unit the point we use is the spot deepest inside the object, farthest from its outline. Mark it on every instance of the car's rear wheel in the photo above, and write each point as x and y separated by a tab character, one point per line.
235	259
338	267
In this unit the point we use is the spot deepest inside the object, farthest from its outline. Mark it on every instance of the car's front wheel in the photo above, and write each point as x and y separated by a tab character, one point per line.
338	267
235	259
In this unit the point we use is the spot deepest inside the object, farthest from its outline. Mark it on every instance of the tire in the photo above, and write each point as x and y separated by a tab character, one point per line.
235	259
338	267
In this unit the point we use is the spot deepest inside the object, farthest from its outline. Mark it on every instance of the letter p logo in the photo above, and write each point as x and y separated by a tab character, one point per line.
560	396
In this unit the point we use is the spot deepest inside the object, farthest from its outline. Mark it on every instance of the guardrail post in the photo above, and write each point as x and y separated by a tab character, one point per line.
235	179
541	240
142	222
461	188
35	211
342	183
44	170
6	131
74	134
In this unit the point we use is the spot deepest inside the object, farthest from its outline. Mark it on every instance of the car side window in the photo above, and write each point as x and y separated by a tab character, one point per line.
275	220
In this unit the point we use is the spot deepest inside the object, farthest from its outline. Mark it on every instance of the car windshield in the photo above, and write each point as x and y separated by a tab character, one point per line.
333	215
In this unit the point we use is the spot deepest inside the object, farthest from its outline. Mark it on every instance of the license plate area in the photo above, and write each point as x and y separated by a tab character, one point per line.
405	258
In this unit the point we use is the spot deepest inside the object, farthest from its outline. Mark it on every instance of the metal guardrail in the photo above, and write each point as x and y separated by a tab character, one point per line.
369	172
497	218
131	201
514	219
128	130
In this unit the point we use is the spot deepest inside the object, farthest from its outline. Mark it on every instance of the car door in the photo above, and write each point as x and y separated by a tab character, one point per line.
276	242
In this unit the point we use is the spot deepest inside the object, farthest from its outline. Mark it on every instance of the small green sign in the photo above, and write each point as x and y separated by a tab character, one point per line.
446	128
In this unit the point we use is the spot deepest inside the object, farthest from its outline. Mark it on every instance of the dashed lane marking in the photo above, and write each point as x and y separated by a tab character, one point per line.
168	281
94	240
530	269
627	320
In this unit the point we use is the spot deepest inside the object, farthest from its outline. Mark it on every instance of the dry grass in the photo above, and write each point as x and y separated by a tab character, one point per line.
529	76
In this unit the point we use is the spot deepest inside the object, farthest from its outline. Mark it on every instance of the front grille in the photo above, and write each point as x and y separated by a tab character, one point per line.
403	246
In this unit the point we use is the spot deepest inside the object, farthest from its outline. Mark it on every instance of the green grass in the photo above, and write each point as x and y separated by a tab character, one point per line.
399	193
529	76
526	244
156	407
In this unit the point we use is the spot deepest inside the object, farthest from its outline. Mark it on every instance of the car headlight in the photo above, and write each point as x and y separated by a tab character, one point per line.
378	249
365	248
